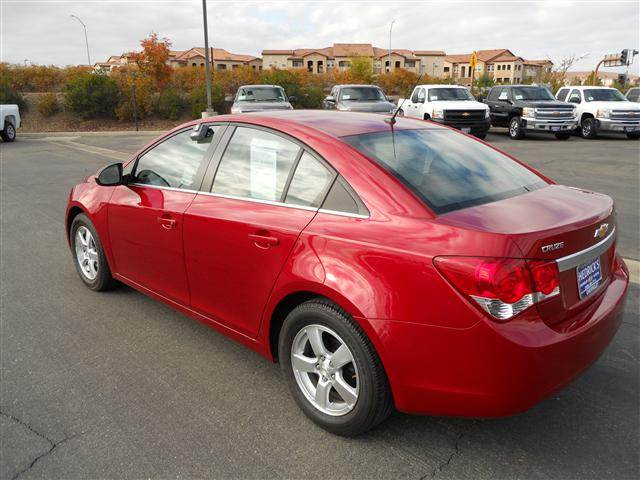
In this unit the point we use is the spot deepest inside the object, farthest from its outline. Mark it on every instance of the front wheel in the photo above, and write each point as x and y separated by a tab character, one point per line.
88	255
332	369
563	136
9	132
588	128
481	136
515	129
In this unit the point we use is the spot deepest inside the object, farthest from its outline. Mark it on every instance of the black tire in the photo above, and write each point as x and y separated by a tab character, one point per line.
374	402
563	136
103	279
8	134
515	129
481	136
426	117
633	136
588	128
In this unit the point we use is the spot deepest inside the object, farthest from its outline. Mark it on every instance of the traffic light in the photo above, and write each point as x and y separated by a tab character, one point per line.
624	56
622	79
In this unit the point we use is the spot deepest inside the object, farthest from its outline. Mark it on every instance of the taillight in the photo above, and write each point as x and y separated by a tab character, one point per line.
502	287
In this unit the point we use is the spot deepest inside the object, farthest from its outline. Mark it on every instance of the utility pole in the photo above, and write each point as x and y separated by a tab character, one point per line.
210	110
390	29
86	40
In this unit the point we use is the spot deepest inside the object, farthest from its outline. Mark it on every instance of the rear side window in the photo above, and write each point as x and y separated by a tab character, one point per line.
255	164
309	183
174	163
448	171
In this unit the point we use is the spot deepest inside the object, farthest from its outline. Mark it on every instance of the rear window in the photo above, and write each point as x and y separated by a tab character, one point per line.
447	170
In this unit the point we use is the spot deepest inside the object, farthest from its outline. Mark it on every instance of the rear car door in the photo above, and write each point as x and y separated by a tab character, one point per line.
145	216
265	189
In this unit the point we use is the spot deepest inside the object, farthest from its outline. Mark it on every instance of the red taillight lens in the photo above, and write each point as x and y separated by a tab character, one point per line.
503	287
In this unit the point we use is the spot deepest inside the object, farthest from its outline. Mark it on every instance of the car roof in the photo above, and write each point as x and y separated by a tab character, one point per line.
260	86
334	123
356	85
440	85
590	87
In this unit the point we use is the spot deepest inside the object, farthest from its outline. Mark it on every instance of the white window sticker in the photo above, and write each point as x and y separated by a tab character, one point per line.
346	97
503	96
518	97
264	156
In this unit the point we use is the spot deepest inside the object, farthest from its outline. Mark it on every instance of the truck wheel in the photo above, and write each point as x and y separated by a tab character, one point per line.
9	132
563	136
633	136
481	136
588	128
426	117
515	130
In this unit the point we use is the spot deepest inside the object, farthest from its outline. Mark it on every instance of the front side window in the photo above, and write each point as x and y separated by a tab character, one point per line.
448	171
445	94
421	95
633	95
309	183
361	94
255	164
174	162
604	95
562	94
575	96
532	93
261	94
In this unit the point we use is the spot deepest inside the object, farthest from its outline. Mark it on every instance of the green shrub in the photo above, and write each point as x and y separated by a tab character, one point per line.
198	99
310	97
9	96
170	104
48	104
91	95
144	95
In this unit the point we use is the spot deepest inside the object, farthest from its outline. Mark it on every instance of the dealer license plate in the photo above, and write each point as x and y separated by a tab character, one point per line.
589	277
630	129
466	130
555	129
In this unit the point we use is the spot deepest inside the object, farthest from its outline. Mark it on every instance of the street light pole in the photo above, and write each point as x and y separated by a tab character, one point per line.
86	40
210	110
390	28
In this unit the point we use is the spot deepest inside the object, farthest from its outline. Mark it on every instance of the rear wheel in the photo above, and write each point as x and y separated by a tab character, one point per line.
332	369
563	136
9	132
88	255
588	128
515	129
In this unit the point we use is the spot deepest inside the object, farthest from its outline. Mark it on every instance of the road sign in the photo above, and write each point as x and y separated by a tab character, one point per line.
473	61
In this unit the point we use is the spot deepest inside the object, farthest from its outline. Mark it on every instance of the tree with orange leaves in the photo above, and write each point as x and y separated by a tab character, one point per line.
152	60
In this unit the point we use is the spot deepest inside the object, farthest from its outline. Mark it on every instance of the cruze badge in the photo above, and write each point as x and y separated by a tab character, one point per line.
601	231
552	247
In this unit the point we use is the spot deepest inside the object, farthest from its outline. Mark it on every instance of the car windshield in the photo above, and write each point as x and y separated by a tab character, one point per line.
261	94
447	170
532	93
603	95
440	94
362	94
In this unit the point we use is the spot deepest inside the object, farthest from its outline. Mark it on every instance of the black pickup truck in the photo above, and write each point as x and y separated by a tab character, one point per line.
530	108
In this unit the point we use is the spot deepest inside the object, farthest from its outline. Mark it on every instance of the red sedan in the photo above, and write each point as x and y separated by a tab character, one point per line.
383	265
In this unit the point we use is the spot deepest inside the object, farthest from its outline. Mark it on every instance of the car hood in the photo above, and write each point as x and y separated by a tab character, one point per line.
260	106
366	106
616	105
459	105
544	104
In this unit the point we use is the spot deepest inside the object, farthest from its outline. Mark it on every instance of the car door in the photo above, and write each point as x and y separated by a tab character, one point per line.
237	237
145	216
501	107
411	109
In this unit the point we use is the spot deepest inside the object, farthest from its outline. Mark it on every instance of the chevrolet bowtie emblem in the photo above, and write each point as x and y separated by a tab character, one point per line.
466	114
601	231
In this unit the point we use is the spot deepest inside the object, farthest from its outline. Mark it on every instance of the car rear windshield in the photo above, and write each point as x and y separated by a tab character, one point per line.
261	94
445	94
361	94
446	169
604	95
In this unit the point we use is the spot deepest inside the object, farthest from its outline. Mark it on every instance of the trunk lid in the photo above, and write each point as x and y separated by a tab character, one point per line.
569	225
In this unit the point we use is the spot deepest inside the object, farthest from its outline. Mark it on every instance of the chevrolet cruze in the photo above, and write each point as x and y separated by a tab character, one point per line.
383	263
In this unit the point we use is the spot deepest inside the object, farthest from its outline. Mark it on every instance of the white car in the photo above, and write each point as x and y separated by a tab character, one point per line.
9	122
602	109
451	105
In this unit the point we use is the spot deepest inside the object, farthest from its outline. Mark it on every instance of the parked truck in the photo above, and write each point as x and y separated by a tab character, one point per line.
602	109
9	122
451	105
530	108
358	98
258	98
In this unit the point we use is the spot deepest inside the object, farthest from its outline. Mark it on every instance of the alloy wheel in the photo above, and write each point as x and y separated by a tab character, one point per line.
325	370
513	128
11	131
86	253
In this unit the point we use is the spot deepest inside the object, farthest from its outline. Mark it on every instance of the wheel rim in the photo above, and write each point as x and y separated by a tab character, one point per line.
586	128
513	128
325	370
86	253
10	131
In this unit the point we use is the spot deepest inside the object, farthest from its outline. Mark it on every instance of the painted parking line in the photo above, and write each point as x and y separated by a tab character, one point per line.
105	152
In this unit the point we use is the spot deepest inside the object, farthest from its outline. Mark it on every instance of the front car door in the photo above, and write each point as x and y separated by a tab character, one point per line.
266	190
145	216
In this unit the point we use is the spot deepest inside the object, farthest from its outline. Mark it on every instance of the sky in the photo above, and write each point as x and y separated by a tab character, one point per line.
43	32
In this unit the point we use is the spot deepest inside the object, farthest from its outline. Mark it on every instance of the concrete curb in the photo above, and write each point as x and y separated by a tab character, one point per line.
109	133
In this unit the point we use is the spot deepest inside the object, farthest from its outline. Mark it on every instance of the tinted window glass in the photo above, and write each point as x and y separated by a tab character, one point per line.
255	164
361	94
173	163
575	95
340	199
604	95
633	94
261	94
562	94
447	170
532	93
449	94
493	94
309	183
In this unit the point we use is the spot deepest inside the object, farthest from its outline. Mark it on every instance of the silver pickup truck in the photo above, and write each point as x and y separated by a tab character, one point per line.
257	98
9	122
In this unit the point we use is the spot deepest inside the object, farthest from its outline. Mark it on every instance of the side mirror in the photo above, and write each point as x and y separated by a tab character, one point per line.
229	99
293	99
111	175
330	99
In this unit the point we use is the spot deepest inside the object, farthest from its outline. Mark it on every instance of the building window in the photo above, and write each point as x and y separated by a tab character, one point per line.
221	66
410	64
345	63
297	63
445	69
397	64
462	71
508	67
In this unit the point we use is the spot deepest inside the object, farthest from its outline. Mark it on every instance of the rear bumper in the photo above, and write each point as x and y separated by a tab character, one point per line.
491	369
477	127
552	126
619	126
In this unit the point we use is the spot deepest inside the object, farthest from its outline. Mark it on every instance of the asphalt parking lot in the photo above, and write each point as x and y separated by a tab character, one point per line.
118	385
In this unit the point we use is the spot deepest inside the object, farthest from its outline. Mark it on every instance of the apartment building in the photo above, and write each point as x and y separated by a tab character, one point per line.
339	55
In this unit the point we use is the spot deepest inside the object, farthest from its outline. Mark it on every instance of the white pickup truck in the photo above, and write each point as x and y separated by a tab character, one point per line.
451	105
602	109
9	122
